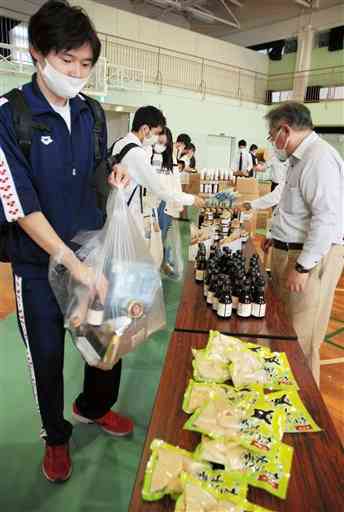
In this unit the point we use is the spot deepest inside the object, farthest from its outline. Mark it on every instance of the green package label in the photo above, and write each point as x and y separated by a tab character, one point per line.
259	427
298	419
269	471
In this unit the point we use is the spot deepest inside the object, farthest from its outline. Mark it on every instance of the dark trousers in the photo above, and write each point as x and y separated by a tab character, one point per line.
42	328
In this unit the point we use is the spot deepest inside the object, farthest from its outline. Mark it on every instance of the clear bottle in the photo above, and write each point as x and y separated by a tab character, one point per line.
224	308
245	302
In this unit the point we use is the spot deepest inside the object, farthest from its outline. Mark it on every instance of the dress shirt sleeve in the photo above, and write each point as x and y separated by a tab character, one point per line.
142	172
321	186
269	200
18	196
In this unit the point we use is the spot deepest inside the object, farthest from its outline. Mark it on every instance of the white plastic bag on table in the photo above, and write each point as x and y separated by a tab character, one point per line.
134	305
173	258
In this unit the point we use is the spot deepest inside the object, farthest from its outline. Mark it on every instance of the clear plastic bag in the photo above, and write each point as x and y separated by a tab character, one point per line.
173	266
133	308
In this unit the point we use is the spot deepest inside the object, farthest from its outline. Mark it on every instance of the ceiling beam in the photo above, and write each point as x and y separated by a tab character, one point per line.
230	12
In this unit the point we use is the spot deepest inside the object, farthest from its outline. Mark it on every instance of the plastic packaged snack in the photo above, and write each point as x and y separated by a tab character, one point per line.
298	418
197	394
219	345
164	469
258	427
270	471
206	369
271	370
201	497
133	307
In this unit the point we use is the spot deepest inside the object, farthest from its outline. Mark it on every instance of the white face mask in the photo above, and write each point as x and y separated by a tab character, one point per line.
61	84
281	154
151	140
159	148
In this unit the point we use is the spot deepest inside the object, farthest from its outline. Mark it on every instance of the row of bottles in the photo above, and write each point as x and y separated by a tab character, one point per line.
228	285
211	178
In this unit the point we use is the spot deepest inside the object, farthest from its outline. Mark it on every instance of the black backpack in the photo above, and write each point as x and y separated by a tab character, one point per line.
24	127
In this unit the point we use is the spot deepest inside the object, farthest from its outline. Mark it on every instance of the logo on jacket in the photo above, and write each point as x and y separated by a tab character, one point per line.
46	139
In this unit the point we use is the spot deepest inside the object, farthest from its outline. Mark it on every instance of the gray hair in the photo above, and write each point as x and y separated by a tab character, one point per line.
294	114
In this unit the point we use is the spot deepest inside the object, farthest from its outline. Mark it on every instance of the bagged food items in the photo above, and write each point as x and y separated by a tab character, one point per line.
298	418
271	370
207	369
270	471
258	427
219	345
133	307
164	470
201	497
197	394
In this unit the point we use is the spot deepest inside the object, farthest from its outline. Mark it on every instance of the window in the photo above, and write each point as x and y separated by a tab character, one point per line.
19	38
332	93
279	96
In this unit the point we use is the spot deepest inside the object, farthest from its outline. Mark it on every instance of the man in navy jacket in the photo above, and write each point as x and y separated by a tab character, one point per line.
48	199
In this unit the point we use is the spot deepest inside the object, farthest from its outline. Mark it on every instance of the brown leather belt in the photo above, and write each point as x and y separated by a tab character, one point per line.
285	246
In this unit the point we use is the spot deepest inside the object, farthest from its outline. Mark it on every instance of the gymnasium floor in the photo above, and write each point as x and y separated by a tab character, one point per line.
104	468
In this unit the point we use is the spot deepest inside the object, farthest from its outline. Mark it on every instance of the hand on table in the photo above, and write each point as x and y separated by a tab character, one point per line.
119	178
296	282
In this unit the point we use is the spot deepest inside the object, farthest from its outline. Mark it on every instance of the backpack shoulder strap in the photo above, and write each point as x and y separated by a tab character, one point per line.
23	123
99	125
125	150
22	120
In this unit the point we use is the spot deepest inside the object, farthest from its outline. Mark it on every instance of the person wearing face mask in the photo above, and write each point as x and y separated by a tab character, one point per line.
46	198
179	149
148	124
307	226
243	165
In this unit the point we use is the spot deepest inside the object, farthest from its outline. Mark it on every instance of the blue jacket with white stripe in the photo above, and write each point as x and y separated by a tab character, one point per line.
57	181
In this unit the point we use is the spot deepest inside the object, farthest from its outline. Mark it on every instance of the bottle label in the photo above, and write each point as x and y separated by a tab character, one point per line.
224	310
244	310
215	303
210	297
86	349
199	275
258	310
206	290
235	302
95	317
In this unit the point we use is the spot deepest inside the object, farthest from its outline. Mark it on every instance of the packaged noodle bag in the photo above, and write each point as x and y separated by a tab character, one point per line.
258	427
219	345
207	369
198	496
198	393
298	418
202	497
270	471
164	469
271	370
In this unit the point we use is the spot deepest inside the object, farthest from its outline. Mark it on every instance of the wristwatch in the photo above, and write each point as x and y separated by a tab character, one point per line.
301	270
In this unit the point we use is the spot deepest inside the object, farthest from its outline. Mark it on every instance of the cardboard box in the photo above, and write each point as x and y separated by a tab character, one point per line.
264	188
193	187
262	218
247	186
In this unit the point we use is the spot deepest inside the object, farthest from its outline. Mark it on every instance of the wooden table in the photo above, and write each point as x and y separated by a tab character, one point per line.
195	316
316	483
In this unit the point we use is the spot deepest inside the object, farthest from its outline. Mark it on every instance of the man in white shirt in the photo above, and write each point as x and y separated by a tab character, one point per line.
243	163
147	125
307	227
278	171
